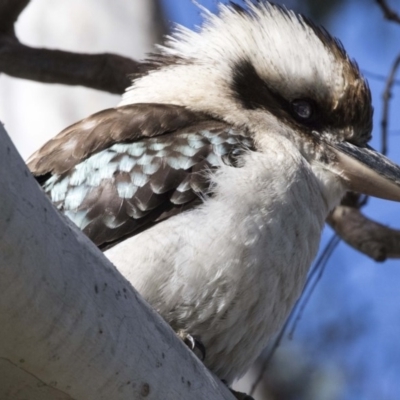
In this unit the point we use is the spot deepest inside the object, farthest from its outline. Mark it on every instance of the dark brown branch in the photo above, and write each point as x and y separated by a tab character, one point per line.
107	72
369	237
9	13
387	94
388	12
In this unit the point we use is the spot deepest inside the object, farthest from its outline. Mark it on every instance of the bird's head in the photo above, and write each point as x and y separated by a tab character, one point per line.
269	70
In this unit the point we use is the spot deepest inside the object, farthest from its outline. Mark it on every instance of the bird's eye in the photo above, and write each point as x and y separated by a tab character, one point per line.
303	109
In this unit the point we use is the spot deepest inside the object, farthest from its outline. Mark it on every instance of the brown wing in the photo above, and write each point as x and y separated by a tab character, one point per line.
140	164
105	128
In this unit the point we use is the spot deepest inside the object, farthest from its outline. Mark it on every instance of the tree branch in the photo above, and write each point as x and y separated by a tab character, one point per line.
369	237
72	327
9	13
388	12
107	72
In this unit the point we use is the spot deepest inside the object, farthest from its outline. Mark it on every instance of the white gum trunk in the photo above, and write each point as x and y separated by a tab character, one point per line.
71	326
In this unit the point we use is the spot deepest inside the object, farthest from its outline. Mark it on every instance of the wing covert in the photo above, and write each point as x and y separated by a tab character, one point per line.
117	189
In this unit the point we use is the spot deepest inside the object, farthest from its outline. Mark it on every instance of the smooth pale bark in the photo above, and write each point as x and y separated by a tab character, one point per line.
71	327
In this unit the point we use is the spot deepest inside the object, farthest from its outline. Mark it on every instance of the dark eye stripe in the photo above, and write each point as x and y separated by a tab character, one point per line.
254	93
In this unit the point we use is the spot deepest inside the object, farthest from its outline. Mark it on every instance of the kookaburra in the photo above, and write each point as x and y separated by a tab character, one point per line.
209	185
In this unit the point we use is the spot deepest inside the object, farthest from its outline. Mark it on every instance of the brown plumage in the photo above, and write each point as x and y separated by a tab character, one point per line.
158	172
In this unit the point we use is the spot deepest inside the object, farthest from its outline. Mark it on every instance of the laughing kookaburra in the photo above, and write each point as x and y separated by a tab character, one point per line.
209	185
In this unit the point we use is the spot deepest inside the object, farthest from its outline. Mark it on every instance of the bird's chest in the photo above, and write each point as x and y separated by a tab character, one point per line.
230	271
254	265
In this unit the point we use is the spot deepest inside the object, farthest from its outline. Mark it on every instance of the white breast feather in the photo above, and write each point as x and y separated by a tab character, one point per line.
222	270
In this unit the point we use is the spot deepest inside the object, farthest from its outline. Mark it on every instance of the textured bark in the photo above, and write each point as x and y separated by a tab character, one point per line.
71	326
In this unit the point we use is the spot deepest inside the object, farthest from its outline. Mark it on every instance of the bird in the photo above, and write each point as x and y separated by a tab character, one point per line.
209	184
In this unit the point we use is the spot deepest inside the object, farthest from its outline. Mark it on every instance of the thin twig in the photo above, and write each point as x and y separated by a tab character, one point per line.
378	77
388	12
277	341
298	309
386	96
311	283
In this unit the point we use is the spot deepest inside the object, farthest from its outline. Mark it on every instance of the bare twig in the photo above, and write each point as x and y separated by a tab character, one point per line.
312	281
378	77
313	278
388	12
271	351
386	96
369	237
108	72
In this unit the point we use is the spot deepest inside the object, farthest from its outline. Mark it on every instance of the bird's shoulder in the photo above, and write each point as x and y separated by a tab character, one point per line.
125	169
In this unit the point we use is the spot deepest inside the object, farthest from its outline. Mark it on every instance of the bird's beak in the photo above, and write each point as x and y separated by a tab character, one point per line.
367	171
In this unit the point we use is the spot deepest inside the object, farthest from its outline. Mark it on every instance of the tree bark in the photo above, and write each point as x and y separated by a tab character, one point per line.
71	326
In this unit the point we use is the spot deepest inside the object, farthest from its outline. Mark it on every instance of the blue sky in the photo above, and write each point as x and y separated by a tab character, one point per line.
356	294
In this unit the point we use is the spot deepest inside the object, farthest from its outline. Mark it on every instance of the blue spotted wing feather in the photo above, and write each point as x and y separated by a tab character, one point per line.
139	166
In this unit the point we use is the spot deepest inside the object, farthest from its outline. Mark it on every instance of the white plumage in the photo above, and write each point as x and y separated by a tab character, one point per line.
230	270
275	117
282	48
